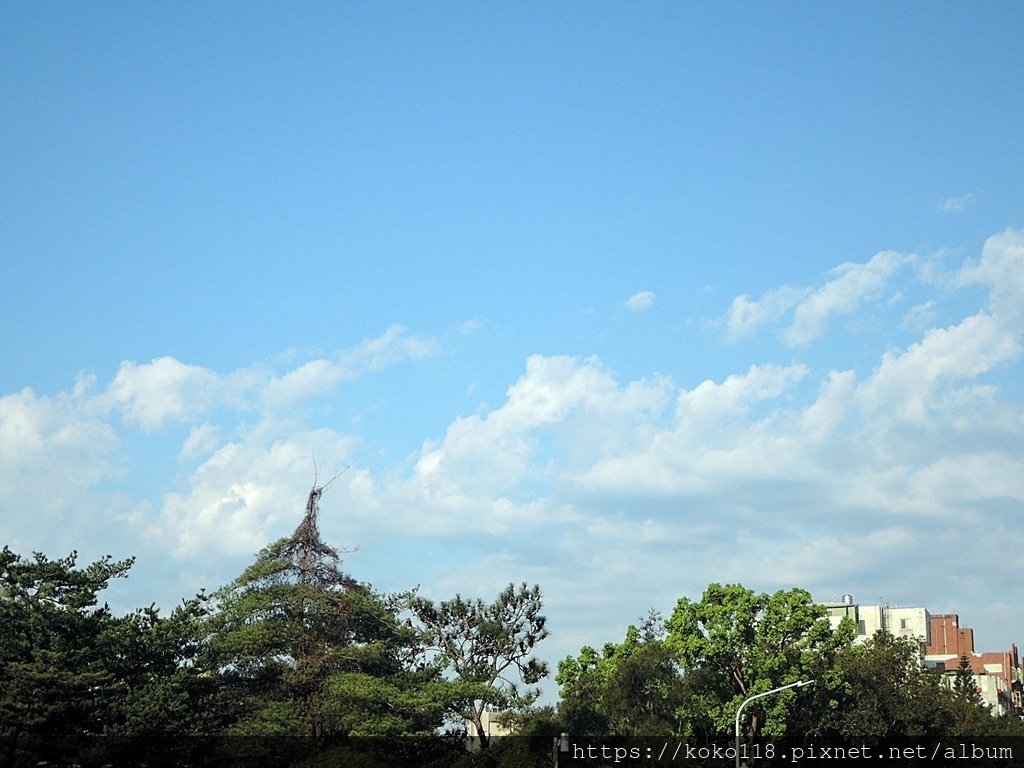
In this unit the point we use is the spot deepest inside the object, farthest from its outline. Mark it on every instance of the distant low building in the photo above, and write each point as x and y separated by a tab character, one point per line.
868	619
951	641
490	719
997	675
992	689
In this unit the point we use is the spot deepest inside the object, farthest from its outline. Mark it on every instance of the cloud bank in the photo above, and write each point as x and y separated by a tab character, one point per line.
615	495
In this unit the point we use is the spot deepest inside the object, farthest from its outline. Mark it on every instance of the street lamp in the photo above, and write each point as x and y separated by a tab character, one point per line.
798	684
561	745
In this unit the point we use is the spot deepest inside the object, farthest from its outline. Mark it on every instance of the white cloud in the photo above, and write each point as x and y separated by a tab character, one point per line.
230	500
854	285
906	385
54	451
248	493
708	444
168	390
164	389
709	402
391	347
318	377
823	417
35	432
1001	269
470	326
640	302
617	495
957	204
485	457
202	441
920	316
745	315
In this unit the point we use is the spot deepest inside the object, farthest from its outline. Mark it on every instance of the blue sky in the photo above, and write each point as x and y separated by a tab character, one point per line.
617	299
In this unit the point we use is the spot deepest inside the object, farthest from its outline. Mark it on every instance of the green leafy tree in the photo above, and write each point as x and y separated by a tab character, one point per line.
735	643
888	697
168	704
582	681
488	647
630	688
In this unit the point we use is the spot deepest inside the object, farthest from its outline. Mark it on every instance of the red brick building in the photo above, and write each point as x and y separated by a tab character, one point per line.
950	641
948	637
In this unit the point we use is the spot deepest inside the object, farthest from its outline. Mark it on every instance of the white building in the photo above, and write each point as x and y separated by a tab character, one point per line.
994	691
868	619
490	719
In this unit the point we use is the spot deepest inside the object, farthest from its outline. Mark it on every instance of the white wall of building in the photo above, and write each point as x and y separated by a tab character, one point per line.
901	622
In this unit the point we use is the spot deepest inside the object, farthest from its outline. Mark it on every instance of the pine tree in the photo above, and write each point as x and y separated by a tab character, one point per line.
81	685
964	687
314	654
489	650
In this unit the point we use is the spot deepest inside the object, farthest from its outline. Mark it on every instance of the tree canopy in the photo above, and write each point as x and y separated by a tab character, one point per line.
78	682
632	688
315	655
741	643
488	647
295	662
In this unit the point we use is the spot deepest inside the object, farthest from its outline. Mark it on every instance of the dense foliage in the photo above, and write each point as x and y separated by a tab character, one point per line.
634	688
686	683
295	662
81	684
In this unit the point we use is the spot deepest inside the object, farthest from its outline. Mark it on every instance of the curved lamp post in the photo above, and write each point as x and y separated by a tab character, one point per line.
798	684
